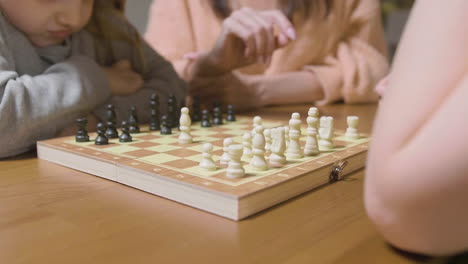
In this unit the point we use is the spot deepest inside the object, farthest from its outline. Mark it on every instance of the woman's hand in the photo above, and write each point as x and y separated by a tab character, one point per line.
248	36
122	79
382	86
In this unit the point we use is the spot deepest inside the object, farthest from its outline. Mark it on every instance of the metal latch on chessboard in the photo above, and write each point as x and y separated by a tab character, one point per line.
337	168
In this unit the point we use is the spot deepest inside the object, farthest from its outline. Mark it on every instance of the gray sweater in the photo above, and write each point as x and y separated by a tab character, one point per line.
43	90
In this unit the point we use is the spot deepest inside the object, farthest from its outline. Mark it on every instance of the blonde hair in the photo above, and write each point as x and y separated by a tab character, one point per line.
106	26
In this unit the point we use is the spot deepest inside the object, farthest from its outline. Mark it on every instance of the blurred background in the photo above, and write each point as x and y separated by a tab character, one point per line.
394	13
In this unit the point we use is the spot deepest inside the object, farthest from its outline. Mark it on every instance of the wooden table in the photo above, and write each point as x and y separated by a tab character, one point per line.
50	214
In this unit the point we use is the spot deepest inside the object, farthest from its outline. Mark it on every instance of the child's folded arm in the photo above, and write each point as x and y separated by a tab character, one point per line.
37	107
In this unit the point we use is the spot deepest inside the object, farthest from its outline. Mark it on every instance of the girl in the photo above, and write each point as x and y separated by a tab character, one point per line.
252	53
417	173
63	59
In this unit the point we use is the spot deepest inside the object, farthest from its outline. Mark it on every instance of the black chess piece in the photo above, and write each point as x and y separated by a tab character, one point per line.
171	108
133	126
206	119
230	114
111	116
125	136
82	134
217	116
101	139
111	131
165	128
196	110
154	123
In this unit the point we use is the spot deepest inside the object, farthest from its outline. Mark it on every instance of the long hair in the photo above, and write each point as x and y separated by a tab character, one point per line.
105	29
291	8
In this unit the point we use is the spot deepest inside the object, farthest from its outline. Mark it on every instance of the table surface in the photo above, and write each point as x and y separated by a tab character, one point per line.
51	214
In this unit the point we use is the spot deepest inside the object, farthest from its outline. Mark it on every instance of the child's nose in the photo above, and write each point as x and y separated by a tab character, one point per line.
70	18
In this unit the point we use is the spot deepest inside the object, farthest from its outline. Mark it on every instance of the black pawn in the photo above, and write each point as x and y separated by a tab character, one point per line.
82	134
111	131
101	139
154	123
230	114
111	116
165	128
206	119
196	110
125	136
217	116
133	126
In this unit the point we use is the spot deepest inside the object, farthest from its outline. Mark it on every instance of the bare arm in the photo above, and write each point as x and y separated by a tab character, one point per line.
417	170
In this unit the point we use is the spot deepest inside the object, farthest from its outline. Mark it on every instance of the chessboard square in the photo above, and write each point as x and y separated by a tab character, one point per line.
121	149
165	140
163	148
140	153
203	132
253	172
198	158
219	143
218	152
234	132
204	139
197	170
181	163
182	152
159	158
144	144
199	148
148	137
73	142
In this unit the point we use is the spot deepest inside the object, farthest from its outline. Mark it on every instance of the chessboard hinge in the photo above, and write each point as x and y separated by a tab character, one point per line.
337	169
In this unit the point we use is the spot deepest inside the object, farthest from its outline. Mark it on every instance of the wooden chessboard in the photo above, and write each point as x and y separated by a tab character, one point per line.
160	165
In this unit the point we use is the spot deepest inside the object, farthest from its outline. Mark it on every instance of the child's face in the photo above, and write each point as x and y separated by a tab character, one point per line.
47	22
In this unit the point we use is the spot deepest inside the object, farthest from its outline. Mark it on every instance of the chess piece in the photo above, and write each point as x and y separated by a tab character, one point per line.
206	119
352	131
311	147
82	134
235	169
171	112
133	126
225	157
196	111
313	113
125	135
247	143
258	161
165	128
326	133
154	123
278	147
111	131
293	150
286	135
217	116
267	134
185	137
207	162
256	121
230	114
101	139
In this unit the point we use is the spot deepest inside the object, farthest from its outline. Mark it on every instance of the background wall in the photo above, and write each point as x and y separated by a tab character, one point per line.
137	11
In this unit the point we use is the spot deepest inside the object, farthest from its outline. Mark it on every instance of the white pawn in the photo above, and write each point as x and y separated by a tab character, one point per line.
293	150
326	133
258	161
313	113
207	162
278	146
184	125
267	134
225	157
256	121
352	131
235	169
247	143
311	147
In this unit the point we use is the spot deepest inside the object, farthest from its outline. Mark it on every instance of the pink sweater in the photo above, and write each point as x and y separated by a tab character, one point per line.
346	51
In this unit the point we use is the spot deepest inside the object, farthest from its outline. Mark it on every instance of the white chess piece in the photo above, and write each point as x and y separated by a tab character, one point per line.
293	150
184	125
278	146
311	147
313	113
258	161
247	143
286	135
207	162
235	168
225	157
352	131
256	121
267	134
326	133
